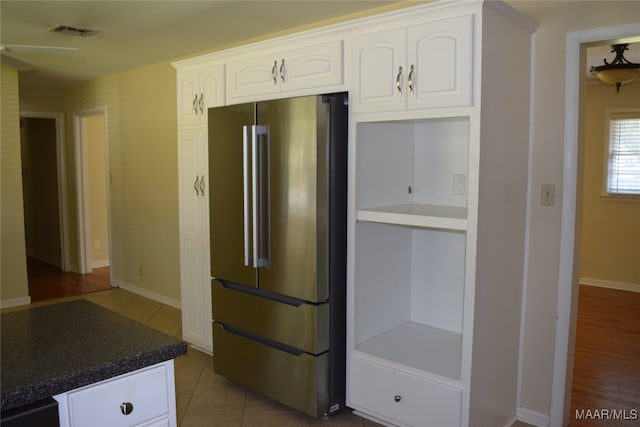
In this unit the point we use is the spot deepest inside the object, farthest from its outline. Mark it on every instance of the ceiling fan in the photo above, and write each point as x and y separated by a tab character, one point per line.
8	49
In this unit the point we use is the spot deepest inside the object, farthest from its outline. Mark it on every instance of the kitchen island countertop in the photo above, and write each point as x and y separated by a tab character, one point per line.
53	349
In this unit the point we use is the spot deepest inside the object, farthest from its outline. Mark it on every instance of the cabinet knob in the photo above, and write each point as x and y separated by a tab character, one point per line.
126	408
397	398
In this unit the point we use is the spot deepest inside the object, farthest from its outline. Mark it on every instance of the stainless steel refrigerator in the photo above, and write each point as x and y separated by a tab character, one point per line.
278	179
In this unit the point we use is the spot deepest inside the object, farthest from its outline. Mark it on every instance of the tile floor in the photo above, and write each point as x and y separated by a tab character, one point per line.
204	399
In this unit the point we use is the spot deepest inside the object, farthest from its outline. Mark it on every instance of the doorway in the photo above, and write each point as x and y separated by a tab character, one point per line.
92	184
569	273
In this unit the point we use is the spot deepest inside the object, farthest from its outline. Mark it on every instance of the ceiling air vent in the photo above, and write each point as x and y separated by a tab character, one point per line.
73	31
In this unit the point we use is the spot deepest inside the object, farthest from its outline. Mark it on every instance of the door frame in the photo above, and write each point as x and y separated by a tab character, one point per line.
81	175
568	275
59	119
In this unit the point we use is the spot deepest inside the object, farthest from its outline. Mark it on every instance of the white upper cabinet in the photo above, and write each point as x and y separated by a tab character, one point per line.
293	72
198	90
422	66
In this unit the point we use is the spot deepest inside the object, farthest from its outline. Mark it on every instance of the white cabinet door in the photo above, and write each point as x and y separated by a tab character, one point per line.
440	54
379	70
194	238
251	78
312	67
198	90
424	66
188	97
143	397
295	71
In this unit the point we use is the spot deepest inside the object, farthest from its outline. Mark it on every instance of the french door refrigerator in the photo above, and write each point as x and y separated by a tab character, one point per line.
278	178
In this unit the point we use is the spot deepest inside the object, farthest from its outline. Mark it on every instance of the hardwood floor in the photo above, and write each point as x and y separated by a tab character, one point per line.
606	376
47	281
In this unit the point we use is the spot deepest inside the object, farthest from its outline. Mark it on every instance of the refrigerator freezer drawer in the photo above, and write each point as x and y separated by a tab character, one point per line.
298	381
304	326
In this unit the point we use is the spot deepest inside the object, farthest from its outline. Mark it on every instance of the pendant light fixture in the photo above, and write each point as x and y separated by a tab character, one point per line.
620	71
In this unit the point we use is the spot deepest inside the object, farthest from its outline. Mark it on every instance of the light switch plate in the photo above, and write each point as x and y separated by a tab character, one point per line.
548	195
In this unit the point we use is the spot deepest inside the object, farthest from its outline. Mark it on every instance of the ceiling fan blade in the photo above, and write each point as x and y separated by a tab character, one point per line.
15	63
43	50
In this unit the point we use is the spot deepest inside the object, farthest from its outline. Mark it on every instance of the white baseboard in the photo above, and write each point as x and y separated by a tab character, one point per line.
15	302
45	258
147	293
532	417
100	263
610	284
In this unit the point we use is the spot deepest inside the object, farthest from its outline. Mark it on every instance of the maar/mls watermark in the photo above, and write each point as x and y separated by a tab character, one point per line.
606	414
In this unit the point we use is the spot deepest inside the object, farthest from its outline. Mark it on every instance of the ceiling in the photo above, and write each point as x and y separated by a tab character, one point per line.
136	33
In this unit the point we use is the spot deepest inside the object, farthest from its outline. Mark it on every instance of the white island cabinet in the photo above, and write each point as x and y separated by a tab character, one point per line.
145	397
438	185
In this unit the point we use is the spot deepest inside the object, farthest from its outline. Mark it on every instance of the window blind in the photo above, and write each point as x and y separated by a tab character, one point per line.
624	154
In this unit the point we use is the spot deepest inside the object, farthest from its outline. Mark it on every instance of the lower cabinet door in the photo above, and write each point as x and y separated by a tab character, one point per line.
128	400
390	394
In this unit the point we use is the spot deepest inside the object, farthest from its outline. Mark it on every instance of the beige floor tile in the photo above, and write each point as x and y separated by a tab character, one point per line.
183	398
216	401
209	380
166	320
272	420
257	403
233	419
344	418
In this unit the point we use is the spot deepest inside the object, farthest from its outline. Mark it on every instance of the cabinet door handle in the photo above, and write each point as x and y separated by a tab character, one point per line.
195	104
273	71
126	408
201	103
397	398
195	186
202	185
411	80
398	84
282	70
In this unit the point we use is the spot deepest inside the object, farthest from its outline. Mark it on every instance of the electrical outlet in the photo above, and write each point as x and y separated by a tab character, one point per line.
548	195
96	244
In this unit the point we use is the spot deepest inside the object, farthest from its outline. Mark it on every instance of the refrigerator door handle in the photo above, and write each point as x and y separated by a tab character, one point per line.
247	133
258	174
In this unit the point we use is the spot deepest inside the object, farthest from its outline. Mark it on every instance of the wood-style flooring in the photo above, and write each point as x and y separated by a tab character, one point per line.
46	281
606	373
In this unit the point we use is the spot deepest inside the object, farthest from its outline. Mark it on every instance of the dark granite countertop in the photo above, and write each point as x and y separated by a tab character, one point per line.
53	349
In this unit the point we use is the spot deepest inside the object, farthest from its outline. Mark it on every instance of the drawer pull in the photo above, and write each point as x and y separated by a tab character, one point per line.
397	398
126	408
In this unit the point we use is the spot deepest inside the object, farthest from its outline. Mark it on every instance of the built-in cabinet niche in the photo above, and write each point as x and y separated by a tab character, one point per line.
410	245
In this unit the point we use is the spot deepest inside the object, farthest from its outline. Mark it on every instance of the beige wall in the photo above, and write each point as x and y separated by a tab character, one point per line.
97	189
610	229
545	227
141	128
13	264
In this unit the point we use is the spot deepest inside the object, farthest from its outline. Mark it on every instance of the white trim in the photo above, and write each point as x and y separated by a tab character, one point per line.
65	257
147	293
15	302
560	385
527	233
100	263
80	151
532	417
610	284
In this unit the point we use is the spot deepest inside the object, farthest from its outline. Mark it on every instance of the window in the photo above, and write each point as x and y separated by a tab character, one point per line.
623	165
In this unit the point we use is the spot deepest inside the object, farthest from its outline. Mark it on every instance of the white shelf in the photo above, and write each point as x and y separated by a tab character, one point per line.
417	215
419	346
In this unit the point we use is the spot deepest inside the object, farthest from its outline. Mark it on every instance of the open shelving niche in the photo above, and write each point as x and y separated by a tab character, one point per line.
410	241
